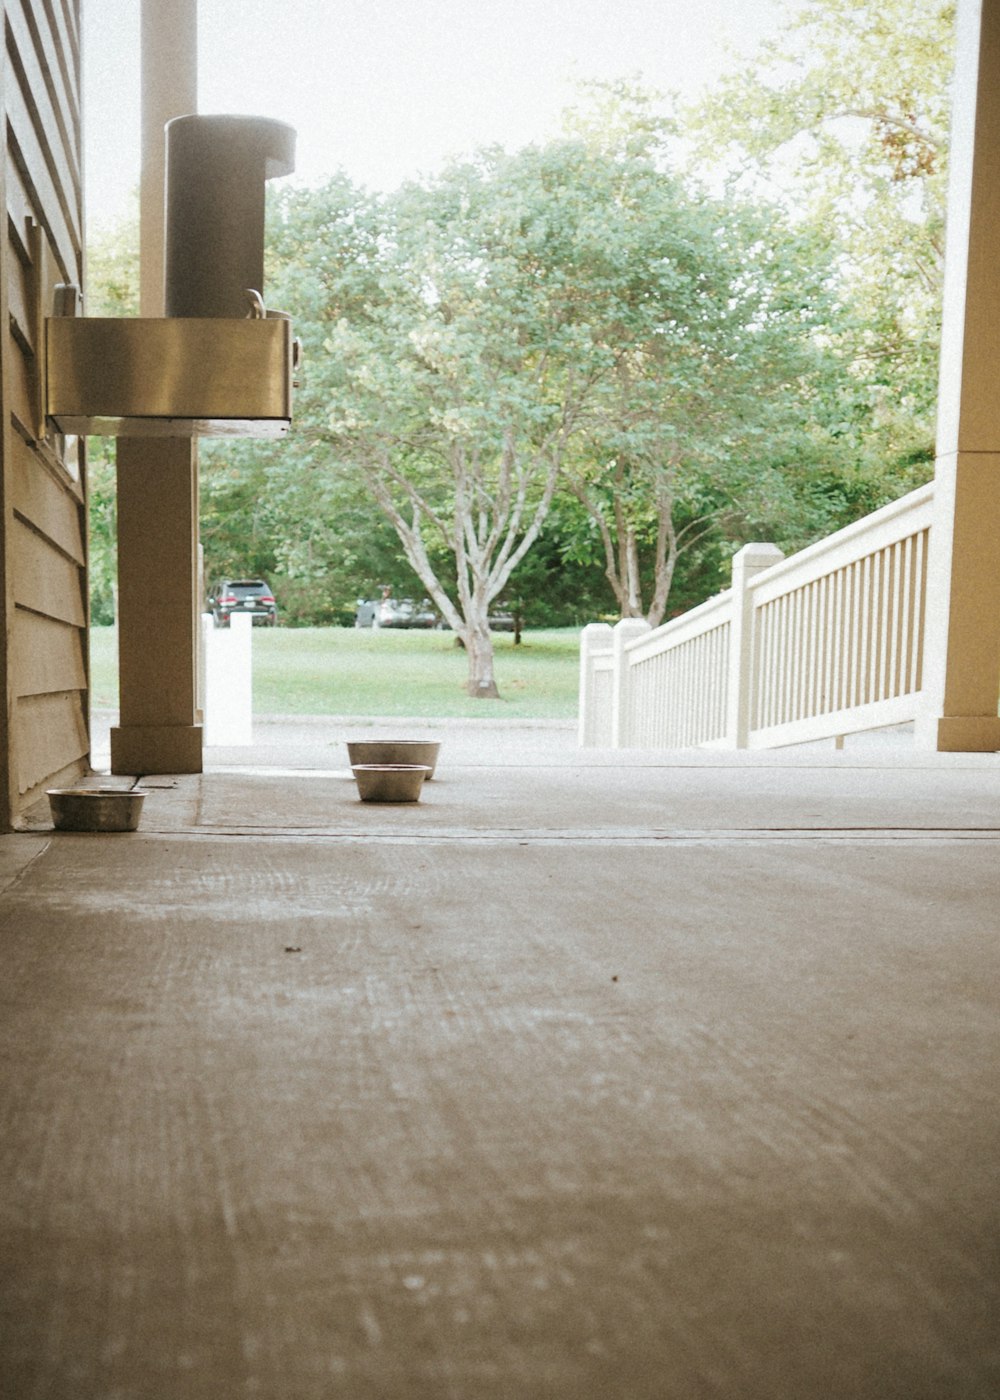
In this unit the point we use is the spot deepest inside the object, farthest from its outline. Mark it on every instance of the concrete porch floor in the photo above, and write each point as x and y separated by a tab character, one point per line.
652	1077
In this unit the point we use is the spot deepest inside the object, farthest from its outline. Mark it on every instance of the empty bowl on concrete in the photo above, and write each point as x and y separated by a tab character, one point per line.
424	751
390	782
96	808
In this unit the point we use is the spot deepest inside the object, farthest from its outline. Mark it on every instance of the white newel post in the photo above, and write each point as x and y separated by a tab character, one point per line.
750	561
228	681
623	632
596	661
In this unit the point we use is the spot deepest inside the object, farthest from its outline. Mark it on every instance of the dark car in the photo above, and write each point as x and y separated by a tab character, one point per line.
243	595
394	612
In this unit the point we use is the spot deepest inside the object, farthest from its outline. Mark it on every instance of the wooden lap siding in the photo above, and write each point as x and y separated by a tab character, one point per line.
43	649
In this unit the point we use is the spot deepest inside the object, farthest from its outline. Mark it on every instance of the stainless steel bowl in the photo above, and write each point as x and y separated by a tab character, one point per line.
390	782
96	808
424	751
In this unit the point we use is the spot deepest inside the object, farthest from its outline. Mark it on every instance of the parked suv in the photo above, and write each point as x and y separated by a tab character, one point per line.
243	595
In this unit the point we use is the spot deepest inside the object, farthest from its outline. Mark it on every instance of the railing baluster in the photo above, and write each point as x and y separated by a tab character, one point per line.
863	666
795	658
761	662
844	639
833	649
892	666
906	613
769	678
920	611
811	643
780	677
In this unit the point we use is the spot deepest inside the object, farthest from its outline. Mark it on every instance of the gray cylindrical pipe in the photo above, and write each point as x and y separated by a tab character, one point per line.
216	170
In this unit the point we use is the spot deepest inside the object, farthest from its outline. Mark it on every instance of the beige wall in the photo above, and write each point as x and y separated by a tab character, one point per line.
43	647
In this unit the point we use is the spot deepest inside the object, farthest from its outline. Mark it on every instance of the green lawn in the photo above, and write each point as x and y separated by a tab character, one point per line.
344	671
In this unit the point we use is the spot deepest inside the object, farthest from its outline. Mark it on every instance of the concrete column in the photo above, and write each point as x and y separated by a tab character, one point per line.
158	575
961	684
158	611
748	562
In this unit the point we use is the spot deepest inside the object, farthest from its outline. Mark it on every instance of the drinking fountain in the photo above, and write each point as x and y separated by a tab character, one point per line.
219	363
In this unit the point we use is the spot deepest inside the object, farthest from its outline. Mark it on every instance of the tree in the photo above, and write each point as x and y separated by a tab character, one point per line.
456	402
566	318
713	390
112	271
277	510
709	402
460	351
846	115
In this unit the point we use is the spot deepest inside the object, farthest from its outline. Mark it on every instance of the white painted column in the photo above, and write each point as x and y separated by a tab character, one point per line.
228	653
961	685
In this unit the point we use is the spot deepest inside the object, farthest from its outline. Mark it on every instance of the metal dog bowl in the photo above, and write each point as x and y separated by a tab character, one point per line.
390	782
424	751
96	809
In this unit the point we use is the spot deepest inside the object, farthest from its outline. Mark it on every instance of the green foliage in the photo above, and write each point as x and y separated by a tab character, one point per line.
467	325
283	511
112	269
569	323
569	377
715	388
103	557
112	289
846	114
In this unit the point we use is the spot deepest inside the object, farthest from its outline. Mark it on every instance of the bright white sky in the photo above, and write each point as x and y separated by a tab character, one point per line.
389	89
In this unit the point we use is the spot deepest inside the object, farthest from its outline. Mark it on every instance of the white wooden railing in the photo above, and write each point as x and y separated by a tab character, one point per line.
824	643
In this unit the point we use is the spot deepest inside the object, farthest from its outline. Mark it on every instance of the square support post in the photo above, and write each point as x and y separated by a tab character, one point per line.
158	575
158	608
623	632
961	672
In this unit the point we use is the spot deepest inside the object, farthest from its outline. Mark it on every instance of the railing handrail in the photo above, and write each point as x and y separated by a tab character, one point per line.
882	522
829	636
886	518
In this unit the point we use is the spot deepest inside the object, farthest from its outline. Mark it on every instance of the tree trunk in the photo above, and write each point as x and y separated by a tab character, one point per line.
482	683
665	561
633	586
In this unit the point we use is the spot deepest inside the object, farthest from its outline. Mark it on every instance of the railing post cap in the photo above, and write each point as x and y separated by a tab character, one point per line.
759	553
